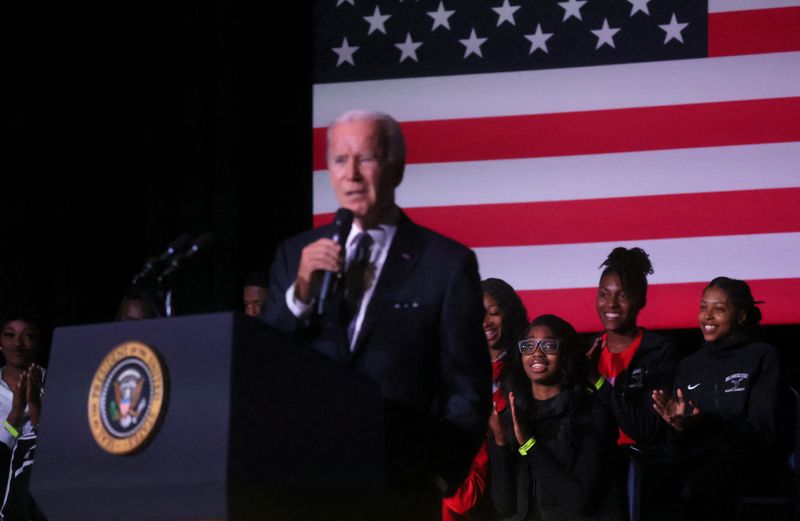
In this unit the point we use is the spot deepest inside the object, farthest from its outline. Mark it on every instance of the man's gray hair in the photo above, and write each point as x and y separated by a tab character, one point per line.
395	142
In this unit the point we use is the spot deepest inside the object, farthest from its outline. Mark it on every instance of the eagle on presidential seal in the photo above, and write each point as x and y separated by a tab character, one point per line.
128	403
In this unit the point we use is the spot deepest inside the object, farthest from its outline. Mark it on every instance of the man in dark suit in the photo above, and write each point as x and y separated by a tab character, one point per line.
416	331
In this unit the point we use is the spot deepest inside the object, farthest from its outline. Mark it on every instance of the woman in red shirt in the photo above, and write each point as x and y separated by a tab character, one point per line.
630	361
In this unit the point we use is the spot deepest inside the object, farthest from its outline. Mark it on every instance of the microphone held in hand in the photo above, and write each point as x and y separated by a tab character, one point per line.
342	221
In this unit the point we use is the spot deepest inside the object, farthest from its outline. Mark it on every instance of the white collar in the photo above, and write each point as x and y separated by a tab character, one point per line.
381	235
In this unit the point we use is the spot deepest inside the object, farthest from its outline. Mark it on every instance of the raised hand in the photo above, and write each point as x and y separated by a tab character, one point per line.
663	404
597	346
321	255
679	413
520	430
33	393
592	355
495	428
19	400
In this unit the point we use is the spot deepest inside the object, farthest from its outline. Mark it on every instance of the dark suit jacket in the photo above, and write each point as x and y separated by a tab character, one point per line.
421	343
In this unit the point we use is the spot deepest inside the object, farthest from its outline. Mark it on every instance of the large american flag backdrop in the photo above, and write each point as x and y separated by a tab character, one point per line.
544	133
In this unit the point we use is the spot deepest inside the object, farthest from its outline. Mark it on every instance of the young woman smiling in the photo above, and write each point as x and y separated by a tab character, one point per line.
504	323
723	411
20	378
629	361
20	409
551	461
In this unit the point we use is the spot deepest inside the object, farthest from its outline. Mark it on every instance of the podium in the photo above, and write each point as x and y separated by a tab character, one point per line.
253	425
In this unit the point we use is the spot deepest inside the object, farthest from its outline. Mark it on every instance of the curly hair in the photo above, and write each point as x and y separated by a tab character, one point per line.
633	266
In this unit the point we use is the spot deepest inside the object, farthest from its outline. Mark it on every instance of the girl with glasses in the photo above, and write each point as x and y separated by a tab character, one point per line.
549	452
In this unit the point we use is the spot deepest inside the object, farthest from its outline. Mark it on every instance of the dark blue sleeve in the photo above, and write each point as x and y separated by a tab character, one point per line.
465	370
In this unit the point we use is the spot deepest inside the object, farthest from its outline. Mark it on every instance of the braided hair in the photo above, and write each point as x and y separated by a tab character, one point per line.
633	266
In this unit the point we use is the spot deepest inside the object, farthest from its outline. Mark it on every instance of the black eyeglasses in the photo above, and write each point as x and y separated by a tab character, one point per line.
529	345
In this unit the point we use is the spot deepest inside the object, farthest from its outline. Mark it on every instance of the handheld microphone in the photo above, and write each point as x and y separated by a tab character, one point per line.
175	247
343	221
198	245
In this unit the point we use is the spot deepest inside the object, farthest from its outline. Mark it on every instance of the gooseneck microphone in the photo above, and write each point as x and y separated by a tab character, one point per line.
342	221
176	247
200	244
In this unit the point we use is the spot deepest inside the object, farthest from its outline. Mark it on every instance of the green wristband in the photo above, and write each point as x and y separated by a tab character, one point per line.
527	446
599	383
11	430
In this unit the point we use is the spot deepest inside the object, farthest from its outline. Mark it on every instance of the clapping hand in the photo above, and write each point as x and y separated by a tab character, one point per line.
520	430
679	413
27	394
495	428
593	355
33	394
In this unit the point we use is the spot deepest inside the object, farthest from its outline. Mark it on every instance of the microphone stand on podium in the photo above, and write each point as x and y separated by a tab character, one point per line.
178	260
158	274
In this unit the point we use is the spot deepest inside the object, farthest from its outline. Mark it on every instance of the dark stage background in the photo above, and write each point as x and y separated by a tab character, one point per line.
126	125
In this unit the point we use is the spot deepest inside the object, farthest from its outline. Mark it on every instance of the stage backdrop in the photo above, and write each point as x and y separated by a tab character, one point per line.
543	134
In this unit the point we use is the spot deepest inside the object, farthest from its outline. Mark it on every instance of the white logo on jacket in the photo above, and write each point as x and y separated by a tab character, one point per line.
738	382
636	378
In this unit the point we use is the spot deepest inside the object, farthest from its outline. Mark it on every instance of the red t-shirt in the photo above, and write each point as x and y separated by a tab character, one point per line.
612	364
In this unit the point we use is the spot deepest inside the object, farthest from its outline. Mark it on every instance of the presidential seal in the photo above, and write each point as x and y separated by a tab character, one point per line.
127	398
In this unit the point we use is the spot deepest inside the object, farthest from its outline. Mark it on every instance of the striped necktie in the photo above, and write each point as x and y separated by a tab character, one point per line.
357	278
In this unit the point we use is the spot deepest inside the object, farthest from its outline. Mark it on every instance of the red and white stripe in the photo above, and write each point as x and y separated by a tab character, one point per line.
544	172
